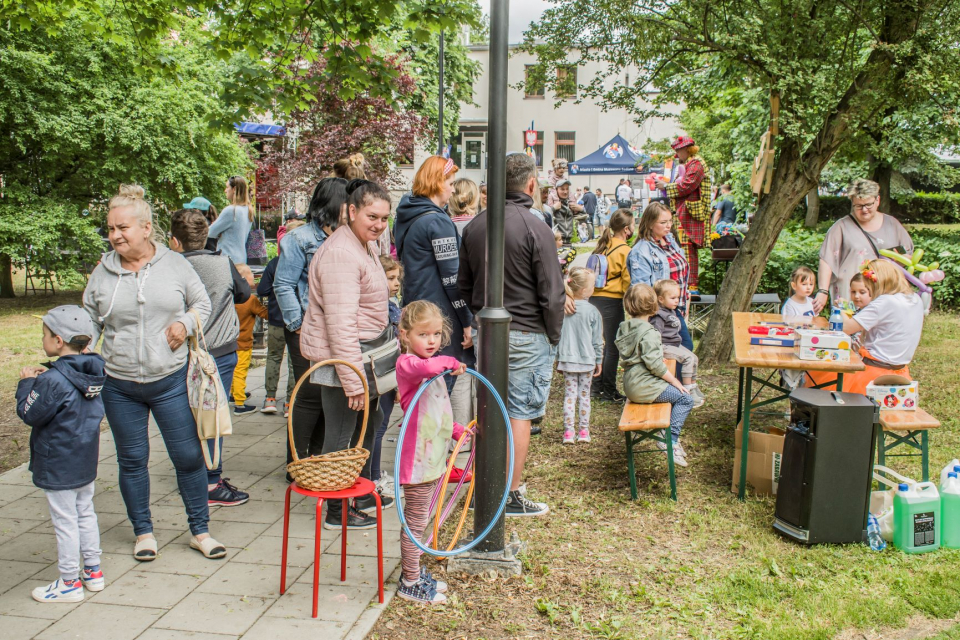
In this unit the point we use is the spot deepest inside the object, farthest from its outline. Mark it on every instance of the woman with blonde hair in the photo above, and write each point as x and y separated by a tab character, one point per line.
854	239
891	324
232	226
141	297
464	203
350	168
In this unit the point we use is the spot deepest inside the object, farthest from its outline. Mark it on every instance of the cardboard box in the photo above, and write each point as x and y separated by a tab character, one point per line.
825	355
764	454
822	339
896	393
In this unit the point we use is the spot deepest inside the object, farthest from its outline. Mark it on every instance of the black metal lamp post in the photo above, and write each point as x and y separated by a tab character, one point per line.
494	320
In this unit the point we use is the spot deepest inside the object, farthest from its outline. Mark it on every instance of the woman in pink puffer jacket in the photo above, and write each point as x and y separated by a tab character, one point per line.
348	303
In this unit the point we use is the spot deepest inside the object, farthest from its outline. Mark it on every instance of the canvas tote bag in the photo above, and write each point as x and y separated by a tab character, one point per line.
207	397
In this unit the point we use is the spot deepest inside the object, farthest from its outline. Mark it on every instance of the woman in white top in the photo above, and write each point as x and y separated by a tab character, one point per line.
892	324
232	226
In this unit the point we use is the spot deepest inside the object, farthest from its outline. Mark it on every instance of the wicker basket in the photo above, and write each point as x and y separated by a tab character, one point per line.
336	470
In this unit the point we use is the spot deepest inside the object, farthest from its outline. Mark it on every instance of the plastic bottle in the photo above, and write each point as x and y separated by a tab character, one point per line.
916	513
950	505
951	466
836	320
873	533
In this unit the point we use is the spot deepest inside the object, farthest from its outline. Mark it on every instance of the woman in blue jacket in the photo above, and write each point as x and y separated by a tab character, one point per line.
657	256
428	246
290	285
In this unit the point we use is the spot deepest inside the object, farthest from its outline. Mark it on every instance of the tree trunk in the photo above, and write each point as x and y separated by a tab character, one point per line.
882	175
813	208
788	188
6	277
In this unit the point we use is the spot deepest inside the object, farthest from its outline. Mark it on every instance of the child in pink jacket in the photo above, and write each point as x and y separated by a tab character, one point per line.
423	332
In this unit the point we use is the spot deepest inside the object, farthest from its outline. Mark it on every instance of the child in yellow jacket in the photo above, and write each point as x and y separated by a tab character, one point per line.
247	313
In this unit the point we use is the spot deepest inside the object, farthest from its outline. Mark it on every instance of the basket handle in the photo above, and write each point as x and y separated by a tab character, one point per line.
306	378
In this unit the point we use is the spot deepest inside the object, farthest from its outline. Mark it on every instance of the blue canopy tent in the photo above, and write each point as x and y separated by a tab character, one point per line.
259	130
617	157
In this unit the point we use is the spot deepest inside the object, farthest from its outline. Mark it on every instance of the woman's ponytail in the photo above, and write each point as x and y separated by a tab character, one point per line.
620	220
604	240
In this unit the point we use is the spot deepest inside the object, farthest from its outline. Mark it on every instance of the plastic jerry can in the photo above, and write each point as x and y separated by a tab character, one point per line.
916	514
952	466
950	506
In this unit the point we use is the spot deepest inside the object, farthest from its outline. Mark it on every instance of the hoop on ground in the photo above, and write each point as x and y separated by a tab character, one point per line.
506	491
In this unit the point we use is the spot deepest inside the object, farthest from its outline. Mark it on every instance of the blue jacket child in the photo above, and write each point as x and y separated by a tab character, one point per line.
64	407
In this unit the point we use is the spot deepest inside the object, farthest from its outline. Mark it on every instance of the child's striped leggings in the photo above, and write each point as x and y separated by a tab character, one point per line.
416	509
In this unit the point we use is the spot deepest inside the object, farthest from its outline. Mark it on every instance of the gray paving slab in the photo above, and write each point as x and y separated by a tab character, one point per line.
181	595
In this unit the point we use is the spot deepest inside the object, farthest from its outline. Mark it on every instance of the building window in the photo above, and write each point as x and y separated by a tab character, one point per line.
537	148
567	82
532	88
566	145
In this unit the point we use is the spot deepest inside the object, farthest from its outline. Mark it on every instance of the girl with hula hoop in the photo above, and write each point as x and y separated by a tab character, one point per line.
423	332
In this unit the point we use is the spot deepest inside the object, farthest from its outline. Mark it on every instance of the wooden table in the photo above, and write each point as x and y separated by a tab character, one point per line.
701	310
750	357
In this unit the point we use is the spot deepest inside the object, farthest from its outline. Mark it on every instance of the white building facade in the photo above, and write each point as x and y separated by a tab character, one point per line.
569	131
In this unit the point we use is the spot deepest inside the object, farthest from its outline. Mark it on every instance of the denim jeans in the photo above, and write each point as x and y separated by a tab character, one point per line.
128	406
685	338
225	366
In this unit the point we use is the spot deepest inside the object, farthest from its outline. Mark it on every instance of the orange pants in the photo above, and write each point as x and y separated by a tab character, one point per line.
856	382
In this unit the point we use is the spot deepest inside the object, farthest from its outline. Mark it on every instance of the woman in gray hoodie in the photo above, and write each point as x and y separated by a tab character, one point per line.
140	297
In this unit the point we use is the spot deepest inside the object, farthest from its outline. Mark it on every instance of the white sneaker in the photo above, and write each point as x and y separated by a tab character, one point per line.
679	455
59	591
697	395
388	486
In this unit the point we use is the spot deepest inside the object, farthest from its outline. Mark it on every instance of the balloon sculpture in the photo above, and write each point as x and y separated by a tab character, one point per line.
911	265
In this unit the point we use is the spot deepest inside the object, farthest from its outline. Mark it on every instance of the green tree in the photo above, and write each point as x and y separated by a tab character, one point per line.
271	45
77	118
838	68
459	71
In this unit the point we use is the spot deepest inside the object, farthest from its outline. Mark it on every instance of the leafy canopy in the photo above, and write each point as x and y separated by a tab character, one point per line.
837	66
271	45
77	119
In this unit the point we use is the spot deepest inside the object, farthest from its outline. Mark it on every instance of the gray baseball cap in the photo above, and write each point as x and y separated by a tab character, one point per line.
562	182
69	321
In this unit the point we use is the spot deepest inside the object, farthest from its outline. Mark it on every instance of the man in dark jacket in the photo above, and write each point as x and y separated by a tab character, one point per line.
428	248
61	401
590	208
533	294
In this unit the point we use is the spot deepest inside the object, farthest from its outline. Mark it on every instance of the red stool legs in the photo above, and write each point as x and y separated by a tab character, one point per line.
316	556
343	542
376	496
286	531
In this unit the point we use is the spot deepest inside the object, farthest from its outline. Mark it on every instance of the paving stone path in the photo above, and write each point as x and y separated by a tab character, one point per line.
181	595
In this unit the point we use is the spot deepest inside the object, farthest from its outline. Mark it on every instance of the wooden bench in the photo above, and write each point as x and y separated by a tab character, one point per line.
640	422
913	428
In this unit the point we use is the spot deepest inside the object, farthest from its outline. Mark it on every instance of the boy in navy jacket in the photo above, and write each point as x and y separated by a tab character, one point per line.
61	401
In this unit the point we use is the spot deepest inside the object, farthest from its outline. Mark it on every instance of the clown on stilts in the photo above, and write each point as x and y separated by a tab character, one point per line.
690	198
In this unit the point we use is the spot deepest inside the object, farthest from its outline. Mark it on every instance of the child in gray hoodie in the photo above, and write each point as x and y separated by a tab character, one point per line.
579	353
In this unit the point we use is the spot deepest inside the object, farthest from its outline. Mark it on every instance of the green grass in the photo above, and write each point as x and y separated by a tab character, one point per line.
602	566
20	335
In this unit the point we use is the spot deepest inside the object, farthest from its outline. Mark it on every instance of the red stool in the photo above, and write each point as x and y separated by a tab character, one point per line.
362	487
